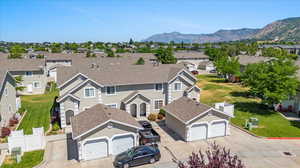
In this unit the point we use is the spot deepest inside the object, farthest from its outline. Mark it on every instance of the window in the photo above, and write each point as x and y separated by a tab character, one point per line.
36	84
111	90
158	87
9	108
112	105
177	86
89	92
158	104
28	73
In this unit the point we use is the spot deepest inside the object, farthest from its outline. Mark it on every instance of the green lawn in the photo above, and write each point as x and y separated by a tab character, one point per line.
29	160
38	111
272	124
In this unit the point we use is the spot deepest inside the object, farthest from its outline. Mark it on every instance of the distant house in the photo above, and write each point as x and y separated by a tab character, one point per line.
192	57
292	49
207	66
55	60
244	60
32	72
8	101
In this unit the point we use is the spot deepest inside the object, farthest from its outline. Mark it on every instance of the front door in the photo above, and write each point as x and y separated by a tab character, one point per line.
133	110
69	114
143	109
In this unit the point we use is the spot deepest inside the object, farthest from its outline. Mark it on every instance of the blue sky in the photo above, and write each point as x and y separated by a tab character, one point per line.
119	20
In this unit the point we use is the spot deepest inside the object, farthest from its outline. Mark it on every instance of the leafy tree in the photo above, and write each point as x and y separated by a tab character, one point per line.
213	157
252	49
272	81
90	54
228	66
131	41
166	56
55	48
274	52
16	51
140	61
19	80
109	52
40	56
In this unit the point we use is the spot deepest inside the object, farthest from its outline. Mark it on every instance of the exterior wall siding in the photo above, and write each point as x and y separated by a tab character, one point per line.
176	125
37	76
8	105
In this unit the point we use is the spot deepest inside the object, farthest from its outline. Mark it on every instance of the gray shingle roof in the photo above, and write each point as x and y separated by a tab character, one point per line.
190	54
186	109
97	115
121	74
22	64
247	59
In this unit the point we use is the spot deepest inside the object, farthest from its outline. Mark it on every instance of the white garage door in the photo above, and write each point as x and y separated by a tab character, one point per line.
198	131
218	129
52	73
94	149
122	143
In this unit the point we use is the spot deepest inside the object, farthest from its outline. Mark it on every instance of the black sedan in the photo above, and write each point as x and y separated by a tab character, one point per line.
137	156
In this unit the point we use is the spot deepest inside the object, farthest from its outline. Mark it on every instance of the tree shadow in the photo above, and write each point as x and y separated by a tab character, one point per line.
295	123
254	108
244	94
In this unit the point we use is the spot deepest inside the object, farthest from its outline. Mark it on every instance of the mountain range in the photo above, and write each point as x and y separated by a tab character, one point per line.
281	30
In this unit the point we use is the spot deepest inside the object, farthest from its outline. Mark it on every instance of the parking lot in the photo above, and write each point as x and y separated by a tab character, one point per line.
255	152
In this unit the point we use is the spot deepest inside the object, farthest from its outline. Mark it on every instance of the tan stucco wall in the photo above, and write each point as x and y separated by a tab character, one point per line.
6	101
71	84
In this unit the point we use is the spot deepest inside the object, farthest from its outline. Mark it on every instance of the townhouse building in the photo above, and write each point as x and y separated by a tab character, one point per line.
136	89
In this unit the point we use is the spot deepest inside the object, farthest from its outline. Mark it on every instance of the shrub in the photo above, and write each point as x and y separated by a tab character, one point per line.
55	126
160	116
215	156
21	110
162	112
152	117
5	132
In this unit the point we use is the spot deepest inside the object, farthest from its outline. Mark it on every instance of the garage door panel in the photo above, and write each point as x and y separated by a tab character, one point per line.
198	132
122	143
218	129
94	149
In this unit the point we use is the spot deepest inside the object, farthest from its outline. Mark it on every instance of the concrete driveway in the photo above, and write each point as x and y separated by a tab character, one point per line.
254	152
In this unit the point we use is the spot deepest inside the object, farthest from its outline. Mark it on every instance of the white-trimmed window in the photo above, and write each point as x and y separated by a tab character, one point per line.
6	92
158	87
111	90
112	105
158	104
36	85
28	73
89	92
177	86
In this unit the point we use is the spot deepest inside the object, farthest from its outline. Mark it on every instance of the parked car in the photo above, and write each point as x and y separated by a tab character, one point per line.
195	72
137	156
213	71
146	124
148	136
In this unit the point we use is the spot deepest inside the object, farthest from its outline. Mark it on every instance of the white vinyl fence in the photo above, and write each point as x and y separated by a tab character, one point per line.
35	141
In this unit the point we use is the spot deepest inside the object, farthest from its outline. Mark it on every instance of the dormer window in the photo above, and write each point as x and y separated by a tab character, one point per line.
158	87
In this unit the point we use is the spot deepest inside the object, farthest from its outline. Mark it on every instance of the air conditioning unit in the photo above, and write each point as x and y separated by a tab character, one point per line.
226	108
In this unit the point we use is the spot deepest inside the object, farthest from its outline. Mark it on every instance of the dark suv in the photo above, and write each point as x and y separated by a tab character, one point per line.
137	156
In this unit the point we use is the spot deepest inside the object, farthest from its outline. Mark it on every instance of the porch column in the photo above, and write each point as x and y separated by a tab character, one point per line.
62	115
